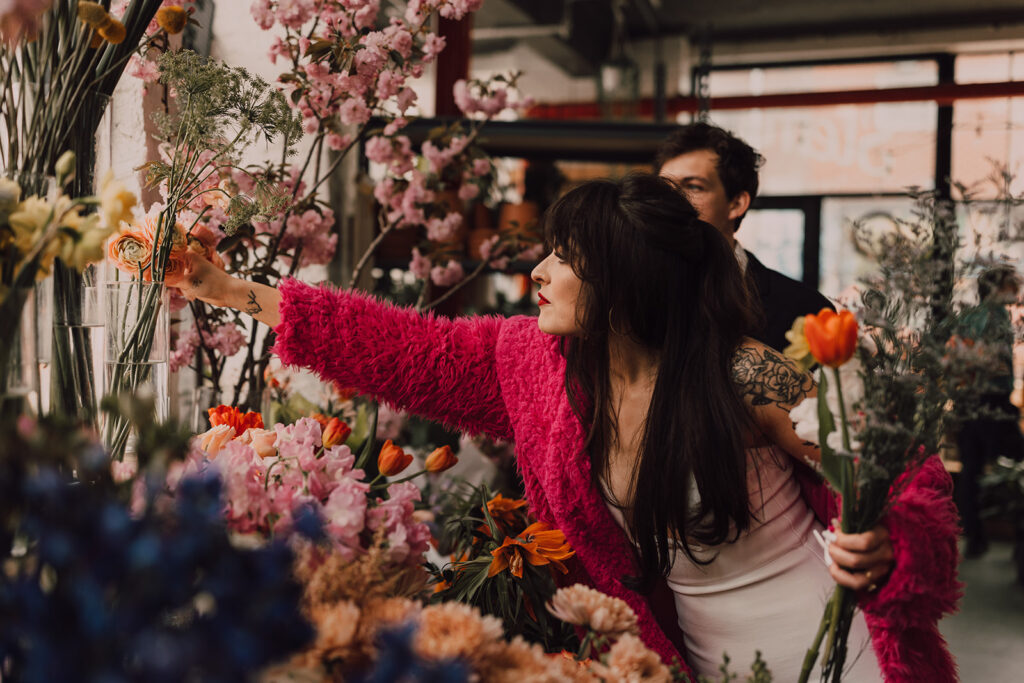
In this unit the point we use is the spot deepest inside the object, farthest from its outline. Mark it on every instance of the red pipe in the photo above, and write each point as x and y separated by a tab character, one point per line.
941	94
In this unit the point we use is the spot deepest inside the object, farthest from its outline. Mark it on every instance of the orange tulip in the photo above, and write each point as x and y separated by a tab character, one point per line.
239	421
392	459
441	459
336	432
832	336
172	19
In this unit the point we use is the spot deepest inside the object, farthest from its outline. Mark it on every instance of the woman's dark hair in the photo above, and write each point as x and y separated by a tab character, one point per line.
651	269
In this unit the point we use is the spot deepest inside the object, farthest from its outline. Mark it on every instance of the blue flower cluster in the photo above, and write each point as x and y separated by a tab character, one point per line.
92	593
397	661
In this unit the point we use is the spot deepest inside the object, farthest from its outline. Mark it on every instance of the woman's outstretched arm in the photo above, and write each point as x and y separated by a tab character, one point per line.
204	281
436	367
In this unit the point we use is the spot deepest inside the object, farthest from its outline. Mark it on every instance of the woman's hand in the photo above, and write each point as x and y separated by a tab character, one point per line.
201	280
861	561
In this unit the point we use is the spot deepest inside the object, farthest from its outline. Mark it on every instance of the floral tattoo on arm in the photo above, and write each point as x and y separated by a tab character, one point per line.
252	307
764	377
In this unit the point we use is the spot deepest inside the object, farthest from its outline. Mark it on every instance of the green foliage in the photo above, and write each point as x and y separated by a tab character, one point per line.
470	533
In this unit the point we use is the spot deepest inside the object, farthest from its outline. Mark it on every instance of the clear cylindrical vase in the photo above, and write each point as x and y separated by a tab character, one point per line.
137	334
19	374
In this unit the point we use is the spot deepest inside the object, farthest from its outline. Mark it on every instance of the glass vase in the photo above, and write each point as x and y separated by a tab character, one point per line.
19	374
71	364
136	336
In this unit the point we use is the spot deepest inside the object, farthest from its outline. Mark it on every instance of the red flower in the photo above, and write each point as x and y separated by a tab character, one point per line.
832	336
233	417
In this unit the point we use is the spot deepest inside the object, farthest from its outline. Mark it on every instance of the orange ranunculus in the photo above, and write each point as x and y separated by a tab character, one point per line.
130	251
538	544
832	336
229	415
503	510
336	432
392	459
172	19
441	459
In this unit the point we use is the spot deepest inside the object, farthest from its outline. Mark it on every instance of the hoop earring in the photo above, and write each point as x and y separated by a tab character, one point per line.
611	327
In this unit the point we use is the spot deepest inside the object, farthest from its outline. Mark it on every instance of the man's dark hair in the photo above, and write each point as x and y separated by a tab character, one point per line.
738	162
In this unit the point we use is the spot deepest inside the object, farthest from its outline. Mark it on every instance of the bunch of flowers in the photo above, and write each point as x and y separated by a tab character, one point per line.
888	393
503	562
35	231
94	588
276	477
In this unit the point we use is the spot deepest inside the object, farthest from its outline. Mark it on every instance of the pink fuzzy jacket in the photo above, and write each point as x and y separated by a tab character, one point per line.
504	377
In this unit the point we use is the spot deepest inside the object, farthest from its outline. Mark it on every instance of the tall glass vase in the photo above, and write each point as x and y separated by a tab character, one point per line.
136	330
73	362
19	378
74	385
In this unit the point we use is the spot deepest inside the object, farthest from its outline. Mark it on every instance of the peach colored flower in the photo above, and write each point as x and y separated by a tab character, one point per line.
336	626
213	439
441	459
453	630
590	608
630	661
383	613
263	441
130	251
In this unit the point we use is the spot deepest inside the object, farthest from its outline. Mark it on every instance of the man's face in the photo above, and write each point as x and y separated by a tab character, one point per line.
696	173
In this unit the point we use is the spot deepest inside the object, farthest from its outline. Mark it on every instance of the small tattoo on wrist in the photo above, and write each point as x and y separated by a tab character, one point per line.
252	308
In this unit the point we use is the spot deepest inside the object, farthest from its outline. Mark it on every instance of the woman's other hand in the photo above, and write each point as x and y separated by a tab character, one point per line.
861	561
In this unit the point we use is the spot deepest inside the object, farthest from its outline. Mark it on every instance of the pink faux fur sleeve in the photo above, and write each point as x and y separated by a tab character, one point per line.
441	369
903	615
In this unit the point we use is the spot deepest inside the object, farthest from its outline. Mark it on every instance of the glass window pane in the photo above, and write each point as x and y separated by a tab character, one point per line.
823	78
989	68
776	237
988	138
844	259
842	149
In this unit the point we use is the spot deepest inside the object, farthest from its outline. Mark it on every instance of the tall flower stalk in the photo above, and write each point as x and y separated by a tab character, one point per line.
896	378
220	111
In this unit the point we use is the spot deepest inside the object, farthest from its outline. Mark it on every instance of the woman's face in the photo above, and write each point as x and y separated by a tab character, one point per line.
559	296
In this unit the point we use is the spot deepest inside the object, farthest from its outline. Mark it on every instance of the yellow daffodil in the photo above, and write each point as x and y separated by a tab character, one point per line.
116	202
28	221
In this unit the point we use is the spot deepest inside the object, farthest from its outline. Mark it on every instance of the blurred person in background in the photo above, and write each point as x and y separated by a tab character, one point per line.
719	174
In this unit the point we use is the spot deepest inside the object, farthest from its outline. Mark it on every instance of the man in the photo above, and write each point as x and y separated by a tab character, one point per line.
718	173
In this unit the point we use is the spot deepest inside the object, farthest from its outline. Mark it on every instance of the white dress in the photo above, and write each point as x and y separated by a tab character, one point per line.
766	591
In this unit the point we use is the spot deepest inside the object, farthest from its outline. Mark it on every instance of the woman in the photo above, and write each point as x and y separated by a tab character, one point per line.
640	411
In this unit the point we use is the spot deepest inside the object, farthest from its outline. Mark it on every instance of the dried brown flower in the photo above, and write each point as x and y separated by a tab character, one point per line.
590	608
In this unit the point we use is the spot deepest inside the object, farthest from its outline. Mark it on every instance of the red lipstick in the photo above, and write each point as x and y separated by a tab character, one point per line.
541	301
